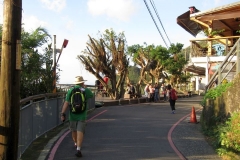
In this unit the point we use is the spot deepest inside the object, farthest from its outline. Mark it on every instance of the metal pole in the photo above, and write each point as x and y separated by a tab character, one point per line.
54	64
54	50
219	76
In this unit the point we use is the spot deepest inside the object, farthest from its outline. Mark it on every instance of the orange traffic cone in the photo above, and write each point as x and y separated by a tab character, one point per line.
193	118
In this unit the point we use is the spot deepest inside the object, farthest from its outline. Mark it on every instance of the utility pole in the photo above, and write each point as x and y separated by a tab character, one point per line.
54	64
55	50
10	79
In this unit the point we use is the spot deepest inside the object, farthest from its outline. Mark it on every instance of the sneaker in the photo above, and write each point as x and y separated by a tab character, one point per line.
173	112
75	146
78	154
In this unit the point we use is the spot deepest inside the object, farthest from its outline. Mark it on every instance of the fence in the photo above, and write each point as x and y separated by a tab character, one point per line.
39	114
230	65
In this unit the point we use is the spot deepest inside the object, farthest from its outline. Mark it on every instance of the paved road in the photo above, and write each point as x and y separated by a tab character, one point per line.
139	132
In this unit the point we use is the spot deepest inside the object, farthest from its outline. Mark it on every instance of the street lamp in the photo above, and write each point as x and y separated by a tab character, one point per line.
55	50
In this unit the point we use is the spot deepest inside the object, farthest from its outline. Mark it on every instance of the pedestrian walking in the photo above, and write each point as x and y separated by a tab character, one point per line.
132	88
164	92
151	92
146	90
77	96
172	95
156	93
128	89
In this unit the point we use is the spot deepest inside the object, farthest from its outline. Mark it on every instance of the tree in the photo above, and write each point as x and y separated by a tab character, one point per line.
175	64
36	67
159	56
151	61
36	72
174	49
133	74
106	56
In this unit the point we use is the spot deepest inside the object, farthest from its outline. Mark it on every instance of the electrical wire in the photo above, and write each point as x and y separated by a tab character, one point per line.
154	7
155	22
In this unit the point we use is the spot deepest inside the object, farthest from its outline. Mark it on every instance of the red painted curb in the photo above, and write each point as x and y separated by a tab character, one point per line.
180	155
55	147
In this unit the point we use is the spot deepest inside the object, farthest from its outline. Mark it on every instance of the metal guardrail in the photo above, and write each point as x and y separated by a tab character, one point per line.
227	66
39	114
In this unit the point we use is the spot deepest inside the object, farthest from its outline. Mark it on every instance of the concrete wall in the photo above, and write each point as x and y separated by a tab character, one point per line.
222	107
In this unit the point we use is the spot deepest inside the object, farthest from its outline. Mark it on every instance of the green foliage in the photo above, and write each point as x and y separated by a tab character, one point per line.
174	49
133	73
224	133
37	74
176	63
141	54
175	67
213	32
215	92
238	31
184	78
159	59
133	49
160	54
228	135
36	66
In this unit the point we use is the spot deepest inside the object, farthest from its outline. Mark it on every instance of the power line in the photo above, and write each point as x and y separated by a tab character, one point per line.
153	5
155	22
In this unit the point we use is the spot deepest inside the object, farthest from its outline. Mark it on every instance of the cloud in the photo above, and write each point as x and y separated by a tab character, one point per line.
32	22
54	5
69	25
117	9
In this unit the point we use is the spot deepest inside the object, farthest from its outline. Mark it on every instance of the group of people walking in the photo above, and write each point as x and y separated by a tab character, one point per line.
153	93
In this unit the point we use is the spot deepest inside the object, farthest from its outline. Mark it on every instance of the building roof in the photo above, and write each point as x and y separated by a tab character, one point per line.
225	17
195	69
190	26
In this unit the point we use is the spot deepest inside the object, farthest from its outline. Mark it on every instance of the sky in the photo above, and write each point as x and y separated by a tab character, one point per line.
74	20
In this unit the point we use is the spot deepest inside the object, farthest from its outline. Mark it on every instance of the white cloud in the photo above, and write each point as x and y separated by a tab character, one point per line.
32	22
55	5
117	9
69	25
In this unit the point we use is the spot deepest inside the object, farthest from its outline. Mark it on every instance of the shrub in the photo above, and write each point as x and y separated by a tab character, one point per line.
229	135
215	92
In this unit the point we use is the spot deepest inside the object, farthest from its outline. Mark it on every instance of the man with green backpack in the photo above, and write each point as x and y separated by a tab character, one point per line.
76	100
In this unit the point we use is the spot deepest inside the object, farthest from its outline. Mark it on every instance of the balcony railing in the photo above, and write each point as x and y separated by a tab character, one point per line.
227	67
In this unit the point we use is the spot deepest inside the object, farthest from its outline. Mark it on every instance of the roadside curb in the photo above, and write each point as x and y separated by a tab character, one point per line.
45	152
47	149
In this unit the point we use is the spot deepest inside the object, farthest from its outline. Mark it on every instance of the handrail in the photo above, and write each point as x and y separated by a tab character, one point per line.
39	114
218	74
39	96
